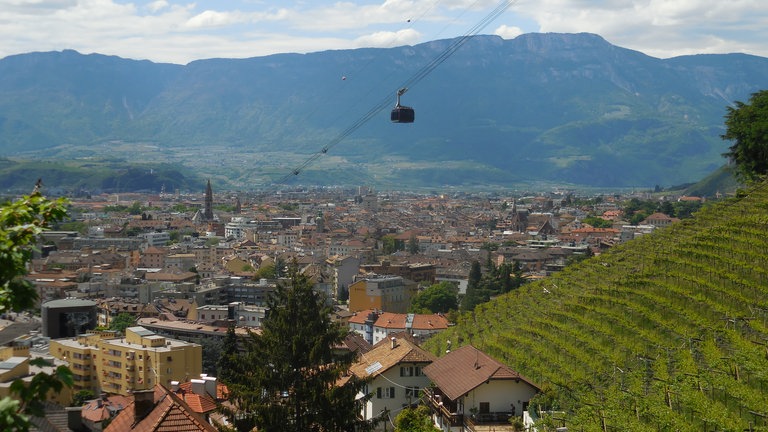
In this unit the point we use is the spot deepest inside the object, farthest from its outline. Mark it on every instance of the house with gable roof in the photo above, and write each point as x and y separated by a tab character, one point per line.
394	370
159	409
471	391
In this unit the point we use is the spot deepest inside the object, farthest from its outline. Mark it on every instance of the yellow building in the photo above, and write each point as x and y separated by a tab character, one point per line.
384	293
103	362
15	365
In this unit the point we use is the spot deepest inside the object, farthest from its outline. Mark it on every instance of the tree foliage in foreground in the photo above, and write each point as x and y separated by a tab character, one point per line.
747	126
288	378
417	419
21	222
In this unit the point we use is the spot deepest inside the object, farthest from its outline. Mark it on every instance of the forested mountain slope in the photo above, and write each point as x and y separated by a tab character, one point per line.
668	332
549	108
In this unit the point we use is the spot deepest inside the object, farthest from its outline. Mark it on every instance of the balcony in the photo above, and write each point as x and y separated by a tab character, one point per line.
443	407
448	413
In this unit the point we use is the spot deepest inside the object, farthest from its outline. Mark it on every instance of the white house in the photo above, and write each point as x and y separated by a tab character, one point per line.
471	392
396	371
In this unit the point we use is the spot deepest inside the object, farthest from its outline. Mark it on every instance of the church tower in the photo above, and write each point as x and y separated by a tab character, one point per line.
208	211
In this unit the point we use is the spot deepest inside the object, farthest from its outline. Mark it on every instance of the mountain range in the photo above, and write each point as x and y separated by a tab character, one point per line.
540	109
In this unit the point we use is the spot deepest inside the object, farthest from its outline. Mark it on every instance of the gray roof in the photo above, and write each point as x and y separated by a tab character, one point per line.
70	302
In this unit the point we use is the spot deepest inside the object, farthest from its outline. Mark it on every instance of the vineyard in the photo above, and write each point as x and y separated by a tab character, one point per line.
668	332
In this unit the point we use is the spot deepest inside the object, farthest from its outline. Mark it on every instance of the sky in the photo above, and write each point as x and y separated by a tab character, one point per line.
172	31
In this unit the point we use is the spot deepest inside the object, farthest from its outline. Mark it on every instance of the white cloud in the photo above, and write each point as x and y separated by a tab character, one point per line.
388	39
508	32
182	30
157	6
211	18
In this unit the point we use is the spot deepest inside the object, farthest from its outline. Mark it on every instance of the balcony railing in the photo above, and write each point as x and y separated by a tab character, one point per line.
447	410
443	407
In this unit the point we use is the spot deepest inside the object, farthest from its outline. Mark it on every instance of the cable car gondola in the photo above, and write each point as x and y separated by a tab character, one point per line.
400	113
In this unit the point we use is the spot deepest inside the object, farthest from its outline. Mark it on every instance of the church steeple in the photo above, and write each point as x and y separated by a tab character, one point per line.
208	211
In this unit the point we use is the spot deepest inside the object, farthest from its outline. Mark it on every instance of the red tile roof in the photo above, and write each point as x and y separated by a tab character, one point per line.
222	392
463	370
170	414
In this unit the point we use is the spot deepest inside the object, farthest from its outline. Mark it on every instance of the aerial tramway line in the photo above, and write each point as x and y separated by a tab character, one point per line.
401	113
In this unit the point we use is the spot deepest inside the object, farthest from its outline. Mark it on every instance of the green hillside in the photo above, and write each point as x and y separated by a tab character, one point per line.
665	333
95	176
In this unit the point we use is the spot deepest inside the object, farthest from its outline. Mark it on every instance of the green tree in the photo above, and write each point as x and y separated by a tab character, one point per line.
389	245
747	126
413	245
228	359
266	271
475	274
212	354
122	321
287	380
476	292
597	222
81	397
438	298
135	208
21	222
416	419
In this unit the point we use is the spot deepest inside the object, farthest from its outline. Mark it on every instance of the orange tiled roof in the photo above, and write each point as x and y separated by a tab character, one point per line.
222	392
388	357
170	414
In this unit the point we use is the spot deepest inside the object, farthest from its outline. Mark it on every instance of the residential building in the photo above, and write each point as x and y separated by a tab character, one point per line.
417	272
237	312
189	331
158	409
375	326
386	293
418	326
659	220
15	365
395	369
473	392
138	361
342	270
156	238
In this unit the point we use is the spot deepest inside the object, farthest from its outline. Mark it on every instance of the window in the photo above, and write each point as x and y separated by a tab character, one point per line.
412	392
385	392
485	407
406	371
417	371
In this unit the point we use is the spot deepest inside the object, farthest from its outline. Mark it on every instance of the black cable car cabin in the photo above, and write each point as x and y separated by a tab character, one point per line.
400	113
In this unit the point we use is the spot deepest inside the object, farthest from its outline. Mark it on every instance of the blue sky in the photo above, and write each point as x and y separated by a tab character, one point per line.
182	31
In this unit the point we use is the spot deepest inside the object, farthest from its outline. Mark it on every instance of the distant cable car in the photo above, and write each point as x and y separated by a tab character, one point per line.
400	113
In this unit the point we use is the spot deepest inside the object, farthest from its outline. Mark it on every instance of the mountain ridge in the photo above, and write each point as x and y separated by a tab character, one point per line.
550	108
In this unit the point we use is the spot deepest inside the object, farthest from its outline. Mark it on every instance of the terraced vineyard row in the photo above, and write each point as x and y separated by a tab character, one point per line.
668	332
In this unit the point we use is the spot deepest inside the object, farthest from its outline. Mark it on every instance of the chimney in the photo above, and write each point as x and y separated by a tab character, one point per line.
394	342
175	386
210	386
75	418
198	386
143	404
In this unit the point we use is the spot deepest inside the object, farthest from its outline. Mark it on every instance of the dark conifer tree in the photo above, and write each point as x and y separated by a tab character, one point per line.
230	355
289	378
